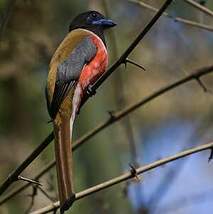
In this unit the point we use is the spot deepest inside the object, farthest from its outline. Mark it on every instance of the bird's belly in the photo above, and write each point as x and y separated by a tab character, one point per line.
90	73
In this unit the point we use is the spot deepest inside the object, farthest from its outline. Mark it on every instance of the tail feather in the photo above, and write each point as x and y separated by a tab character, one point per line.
63	155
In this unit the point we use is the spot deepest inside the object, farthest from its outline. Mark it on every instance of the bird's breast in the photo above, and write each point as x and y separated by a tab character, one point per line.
97	66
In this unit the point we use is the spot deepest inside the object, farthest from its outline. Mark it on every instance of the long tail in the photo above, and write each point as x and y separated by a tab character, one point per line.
63	155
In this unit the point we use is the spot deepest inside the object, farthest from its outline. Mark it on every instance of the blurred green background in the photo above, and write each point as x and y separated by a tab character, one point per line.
29	34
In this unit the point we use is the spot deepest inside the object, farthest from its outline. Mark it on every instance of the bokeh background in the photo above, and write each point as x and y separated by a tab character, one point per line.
30	32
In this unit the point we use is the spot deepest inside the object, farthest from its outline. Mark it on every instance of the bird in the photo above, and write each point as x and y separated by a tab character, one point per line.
80	59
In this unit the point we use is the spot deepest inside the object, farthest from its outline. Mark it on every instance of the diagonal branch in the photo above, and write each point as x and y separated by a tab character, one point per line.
129	50
14	175
199	7
176	19
23	187
117	116
128	175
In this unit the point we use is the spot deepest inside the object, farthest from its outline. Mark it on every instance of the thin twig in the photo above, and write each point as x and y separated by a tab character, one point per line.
135	64
33	195
117	116
35	189
14	175
23	187
200	7
126	176
29	180
202	85
129	50
46	194
211	155
176	19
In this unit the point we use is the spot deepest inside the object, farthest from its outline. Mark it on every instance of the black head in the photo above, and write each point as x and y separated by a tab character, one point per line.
93	21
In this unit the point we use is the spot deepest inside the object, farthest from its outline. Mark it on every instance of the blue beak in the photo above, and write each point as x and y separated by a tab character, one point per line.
104	23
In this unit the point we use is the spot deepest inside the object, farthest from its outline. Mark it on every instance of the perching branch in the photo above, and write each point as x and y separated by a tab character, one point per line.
14	175
128	175
119	115
200	7
129	50
176	19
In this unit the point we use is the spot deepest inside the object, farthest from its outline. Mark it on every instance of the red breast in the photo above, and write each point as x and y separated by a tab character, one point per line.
97	66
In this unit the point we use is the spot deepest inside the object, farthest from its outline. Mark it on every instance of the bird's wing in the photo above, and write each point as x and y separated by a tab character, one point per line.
69	71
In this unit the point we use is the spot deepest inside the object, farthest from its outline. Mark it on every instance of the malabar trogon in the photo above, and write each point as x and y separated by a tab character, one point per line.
78	62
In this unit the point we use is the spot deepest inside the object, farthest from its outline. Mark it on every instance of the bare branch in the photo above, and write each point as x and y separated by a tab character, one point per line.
46	194
129	50
200	7
116	117
29	180
211	155
176	19
14	175
23	187
202	85
35	189
128	175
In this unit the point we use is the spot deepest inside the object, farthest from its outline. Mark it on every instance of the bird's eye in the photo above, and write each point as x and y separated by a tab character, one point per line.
94	15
